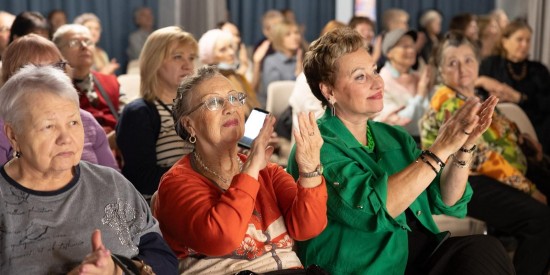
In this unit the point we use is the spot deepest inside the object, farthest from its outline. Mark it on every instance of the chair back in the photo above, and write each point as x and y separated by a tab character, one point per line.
133	67
129	85
513	112
278	93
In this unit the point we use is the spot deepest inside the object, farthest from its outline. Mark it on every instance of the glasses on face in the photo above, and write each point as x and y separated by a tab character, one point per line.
80	43
215	103
62	65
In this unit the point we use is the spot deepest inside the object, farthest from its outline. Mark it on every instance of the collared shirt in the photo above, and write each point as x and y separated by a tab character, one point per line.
361	236
277	67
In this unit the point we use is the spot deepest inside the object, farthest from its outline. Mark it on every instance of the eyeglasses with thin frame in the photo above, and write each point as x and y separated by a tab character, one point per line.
215	103
74	43
62	65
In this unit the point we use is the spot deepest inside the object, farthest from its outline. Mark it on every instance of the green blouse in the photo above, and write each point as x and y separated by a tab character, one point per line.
361	237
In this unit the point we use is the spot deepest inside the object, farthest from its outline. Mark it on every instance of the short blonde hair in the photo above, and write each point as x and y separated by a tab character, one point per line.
153	54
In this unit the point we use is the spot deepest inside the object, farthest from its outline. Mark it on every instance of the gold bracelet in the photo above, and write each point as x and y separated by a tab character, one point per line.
145	268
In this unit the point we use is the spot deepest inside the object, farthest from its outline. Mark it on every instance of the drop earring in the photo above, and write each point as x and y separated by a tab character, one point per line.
332	107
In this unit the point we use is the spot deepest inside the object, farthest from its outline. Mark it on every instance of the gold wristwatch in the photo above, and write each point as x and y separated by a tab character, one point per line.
318	172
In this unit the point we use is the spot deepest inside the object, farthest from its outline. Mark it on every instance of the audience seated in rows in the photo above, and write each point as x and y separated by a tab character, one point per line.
37	50
504	195
521	80
53	202
382	189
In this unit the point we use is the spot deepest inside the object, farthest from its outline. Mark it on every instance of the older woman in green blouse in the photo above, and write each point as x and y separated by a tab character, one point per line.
382	189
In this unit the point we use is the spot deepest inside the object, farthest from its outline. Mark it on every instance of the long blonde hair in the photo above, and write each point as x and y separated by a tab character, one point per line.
153	54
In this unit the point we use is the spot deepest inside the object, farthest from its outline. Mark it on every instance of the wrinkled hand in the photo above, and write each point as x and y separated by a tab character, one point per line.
99	261
502	91
308	143
260	151
459	128
485	115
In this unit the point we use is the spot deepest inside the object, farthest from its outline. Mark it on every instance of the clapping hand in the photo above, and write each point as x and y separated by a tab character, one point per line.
97	262
260	151
308	144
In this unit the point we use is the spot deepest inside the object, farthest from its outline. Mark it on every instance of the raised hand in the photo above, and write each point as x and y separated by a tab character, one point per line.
485	115
260	151
308	148
97	262
459	128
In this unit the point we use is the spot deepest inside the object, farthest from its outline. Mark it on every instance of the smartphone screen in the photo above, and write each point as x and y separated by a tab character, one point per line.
252	126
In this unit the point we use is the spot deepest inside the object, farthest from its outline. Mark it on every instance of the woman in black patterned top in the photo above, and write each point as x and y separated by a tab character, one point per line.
145	132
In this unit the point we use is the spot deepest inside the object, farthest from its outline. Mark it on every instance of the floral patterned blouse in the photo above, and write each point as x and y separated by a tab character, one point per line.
498	154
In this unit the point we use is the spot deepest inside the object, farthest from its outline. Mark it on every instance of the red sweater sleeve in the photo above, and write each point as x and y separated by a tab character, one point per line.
304	209
193	214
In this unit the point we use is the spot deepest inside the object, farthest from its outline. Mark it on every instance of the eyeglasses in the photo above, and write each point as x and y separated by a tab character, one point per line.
80	43
62	65
215	103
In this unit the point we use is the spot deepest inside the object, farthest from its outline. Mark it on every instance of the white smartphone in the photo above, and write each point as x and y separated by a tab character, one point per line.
252	127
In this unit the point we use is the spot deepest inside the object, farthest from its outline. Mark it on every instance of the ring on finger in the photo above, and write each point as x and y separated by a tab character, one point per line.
466	133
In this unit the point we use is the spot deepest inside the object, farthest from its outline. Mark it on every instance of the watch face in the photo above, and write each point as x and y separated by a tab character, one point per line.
320	169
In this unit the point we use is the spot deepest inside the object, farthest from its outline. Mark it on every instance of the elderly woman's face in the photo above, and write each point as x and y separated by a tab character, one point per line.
403	53
95	29
517	45
459	67
224	52
77	48
223	126
358	89
178	63
52	136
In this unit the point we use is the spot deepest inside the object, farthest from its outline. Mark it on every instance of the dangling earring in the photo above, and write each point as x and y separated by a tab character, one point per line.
16	154
192	139
332	108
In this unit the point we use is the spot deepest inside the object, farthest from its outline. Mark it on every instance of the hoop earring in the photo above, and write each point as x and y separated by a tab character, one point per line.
16	154
192	139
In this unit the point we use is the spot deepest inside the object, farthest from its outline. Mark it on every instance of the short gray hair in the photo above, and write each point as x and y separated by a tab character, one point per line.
85	17
183	98
60	33
32	79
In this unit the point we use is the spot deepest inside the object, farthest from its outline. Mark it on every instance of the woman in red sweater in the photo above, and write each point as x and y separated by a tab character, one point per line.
223	212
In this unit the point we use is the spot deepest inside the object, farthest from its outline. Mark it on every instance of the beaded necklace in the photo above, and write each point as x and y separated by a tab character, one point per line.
197	157
370	140
522	74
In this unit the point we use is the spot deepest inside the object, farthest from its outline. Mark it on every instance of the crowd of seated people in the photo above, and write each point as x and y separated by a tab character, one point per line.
387	131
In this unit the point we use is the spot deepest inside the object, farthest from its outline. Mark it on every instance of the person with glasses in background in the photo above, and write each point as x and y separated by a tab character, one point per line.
37	50
99	93
145	132
222	212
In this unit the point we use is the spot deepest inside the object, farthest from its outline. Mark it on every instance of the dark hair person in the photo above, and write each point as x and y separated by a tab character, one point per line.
382	189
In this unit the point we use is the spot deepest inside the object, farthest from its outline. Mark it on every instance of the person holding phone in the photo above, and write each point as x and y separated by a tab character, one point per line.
222	212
